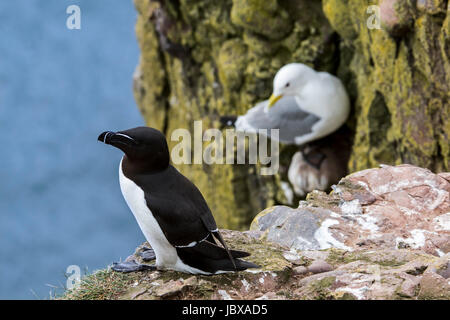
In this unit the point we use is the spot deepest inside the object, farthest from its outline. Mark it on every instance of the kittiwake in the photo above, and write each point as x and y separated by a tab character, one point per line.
305	105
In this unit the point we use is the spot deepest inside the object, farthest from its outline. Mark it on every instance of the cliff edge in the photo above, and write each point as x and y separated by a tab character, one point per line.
382	233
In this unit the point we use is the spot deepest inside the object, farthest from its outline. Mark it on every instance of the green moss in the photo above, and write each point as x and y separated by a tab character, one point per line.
336	256
149	95
264	17
341	22
320	289
320	199
270	258
231	64
107	284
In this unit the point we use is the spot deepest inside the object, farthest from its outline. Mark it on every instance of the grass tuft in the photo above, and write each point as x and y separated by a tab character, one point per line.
101	285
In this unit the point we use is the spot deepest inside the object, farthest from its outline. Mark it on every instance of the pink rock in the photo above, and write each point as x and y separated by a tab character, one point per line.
395	16
269	296
390	207
434	286
300	270
445	175
388	14
409	287
411	208
319	266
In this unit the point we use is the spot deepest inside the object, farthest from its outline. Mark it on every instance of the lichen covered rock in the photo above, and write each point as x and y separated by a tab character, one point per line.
263	17
326	274
389	207
402	74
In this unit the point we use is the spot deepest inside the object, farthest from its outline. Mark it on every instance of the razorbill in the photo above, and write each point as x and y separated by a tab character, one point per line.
170	210
305	105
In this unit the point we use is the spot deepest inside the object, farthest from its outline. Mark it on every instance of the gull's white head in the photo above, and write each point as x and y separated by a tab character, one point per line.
289	80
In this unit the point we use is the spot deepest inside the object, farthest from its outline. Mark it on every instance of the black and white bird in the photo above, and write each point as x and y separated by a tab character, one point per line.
170	210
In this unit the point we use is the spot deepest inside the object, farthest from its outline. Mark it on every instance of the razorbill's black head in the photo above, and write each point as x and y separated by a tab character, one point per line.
170	210
146	148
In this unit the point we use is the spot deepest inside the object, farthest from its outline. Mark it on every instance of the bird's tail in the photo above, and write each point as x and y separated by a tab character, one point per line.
211	258
228	121
233	253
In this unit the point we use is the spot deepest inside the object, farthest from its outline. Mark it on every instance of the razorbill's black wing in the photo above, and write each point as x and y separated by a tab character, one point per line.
179	208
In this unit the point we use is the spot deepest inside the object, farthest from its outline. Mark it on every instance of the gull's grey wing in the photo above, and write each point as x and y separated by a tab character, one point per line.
285	115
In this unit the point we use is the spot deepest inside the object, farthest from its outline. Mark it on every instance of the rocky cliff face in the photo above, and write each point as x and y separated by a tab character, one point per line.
381	234
286	274
203	59
402	75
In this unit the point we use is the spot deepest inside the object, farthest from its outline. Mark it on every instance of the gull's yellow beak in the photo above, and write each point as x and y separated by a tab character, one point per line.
273	99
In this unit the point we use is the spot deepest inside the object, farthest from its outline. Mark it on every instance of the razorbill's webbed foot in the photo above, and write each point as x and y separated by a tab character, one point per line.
131	266
148	254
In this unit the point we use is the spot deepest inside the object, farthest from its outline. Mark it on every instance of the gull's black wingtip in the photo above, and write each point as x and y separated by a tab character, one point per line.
228	121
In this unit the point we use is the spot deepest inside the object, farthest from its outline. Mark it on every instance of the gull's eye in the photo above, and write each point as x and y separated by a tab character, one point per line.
287	84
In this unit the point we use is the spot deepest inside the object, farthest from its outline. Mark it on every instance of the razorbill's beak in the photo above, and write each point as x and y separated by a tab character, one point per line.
116	138
103	137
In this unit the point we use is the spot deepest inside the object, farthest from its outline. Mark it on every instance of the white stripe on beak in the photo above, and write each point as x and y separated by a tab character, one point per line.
106	135
124	135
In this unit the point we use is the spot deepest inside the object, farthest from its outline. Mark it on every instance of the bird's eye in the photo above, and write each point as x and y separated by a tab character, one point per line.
287	84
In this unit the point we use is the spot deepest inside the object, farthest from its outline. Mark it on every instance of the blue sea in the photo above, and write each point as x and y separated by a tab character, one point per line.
60	202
